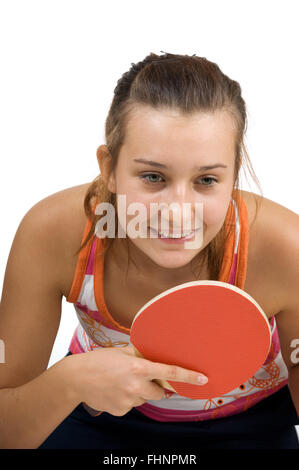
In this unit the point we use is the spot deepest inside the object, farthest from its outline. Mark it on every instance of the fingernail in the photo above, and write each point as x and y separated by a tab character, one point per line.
202	379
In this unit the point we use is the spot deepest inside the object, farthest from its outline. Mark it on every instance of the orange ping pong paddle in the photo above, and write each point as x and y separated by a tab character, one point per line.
211	327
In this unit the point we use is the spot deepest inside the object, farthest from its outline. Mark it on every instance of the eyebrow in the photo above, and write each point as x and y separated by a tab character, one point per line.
161	165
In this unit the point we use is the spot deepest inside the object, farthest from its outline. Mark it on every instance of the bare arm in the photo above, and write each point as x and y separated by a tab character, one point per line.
30	311
34	400
30	413
285	242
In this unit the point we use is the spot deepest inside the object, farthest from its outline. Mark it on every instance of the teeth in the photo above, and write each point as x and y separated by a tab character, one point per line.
167	235
174	235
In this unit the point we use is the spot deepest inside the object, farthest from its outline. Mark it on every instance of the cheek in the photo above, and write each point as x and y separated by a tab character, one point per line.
136	207
214	212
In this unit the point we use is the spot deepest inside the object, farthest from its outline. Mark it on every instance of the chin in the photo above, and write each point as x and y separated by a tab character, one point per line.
173	260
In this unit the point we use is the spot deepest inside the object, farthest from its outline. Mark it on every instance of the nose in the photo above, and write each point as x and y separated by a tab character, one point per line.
180	208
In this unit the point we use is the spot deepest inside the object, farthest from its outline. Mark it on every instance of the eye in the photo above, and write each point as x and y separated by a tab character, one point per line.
156	175
211	179
143	177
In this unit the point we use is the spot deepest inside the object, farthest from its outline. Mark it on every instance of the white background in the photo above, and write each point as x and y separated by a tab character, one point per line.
60	61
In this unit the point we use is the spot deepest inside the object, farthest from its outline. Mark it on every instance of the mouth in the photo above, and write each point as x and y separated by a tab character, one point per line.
174	235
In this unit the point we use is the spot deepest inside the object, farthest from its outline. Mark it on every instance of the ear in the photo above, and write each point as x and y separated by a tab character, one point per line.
105	163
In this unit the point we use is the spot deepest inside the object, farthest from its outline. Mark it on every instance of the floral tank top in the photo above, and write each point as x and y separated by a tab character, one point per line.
98	329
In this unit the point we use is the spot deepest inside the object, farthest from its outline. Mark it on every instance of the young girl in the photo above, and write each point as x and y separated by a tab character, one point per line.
174	133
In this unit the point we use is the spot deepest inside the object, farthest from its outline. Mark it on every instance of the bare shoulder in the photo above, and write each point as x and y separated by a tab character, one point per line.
275	225
253	204
276	270
273	246
62	214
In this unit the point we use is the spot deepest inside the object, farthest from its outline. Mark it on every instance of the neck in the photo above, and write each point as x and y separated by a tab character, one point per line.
141	265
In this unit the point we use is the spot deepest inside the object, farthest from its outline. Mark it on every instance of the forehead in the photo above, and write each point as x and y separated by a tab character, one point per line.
161	132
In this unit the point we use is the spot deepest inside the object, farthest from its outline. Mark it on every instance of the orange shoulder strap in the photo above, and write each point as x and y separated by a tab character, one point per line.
228	257
81	263
241	269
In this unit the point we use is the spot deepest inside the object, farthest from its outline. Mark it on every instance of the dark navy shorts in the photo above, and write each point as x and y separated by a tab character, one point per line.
270	424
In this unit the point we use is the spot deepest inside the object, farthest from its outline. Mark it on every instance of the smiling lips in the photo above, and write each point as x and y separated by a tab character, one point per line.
173	234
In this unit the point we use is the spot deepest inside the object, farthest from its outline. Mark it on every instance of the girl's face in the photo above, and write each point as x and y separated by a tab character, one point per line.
177	147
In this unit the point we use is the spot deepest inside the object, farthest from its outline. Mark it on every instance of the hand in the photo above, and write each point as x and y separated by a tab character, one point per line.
115	380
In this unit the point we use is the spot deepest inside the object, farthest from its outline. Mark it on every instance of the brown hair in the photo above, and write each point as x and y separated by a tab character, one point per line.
190	84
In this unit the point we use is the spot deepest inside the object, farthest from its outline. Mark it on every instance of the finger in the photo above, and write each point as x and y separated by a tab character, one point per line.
152	391
176	374
161	383
164	372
